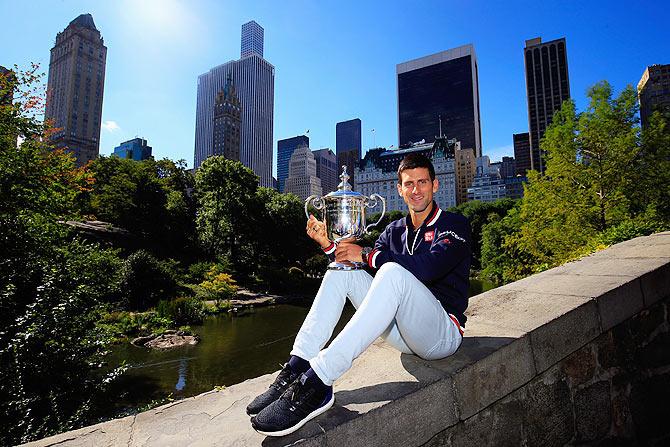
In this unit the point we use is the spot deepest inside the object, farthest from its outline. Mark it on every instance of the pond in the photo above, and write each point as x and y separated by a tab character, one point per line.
232	349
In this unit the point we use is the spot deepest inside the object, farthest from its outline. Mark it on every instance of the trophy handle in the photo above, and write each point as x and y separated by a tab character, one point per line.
367	204
316	201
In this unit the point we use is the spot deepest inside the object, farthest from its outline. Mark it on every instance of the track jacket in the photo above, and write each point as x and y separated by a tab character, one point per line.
438	254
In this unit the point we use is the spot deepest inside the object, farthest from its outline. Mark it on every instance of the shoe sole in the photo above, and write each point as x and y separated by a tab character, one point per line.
297	426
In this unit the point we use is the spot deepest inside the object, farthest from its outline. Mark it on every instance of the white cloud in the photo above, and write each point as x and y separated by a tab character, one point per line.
110	126
497	153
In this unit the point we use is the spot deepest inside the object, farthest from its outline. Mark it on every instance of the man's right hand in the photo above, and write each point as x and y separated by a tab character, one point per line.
317	231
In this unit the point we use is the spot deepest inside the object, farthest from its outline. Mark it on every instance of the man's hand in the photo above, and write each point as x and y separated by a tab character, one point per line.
348	251
317	231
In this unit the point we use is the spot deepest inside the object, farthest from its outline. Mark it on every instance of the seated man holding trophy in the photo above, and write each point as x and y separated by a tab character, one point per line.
415	302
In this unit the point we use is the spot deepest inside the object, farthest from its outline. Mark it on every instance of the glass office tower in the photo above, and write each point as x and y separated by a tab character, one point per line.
440	87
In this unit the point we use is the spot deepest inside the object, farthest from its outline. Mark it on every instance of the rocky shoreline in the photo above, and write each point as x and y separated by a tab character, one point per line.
166	340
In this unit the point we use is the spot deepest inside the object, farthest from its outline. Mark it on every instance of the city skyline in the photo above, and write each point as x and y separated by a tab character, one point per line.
357	79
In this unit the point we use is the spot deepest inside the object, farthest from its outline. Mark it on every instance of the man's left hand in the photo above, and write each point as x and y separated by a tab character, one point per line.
348	251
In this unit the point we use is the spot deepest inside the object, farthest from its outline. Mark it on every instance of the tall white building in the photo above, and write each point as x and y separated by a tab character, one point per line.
253	77
378	173
302	180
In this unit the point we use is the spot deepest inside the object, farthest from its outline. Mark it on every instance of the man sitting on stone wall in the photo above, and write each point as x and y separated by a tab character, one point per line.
415	302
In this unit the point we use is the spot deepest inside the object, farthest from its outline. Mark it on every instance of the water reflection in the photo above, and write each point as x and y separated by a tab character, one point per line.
181	383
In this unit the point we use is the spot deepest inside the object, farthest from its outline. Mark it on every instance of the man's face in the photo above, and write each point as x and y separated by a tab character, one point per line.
416	188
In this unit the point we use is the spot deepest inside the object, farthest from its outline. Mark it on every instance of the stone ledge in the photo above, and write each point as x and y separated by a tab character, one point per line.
514	334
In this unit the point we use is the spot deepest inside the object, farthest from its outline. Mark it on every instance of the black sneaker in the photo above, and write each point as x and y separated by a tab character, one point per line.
299	403
284	379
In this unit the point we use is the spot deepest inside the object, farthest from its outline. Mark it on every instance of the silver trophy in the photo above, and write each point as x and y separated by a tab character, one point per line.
344	214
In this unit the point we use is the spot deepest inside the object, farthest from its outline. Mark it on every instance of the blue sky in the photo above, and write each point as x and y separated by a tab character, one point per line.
334	60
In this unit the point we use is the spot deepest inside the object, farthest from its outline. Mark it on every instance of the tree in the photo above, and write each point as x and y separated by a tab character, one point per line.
227	211
478	213
283	241
148	198
51	285
606	179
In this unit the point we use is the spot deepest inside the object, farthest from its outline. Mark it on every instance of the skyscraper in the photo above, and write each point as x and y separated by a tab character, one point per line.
252	39
654	91
521	152
285	149
227	122
348	146
326	169
443	85
253	78
302	180
465	166
75	88
547	86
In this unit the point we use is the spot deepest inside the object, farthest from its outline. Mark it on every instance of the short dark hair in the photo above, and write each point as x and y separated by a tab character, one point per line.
413	161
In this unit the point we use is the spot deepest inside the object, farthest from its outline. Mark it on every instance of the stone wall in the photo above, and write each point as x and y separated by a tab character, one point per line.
613	391
579	354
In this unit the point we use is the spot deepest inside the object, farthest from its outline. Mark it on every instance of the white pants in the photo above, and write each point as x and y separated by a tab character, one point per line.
394	305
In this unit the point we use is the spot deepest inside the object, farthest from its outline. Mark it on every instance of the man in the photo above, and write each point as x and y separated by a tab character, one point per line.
415	302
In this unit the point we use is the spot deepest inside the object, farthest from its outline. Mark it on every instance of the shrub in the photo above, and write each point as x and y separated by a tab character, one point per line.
145	281
182	311
219	286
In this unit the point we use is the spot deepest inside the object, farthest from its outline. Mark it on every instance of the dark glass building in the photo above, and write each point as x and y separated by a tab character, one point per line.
440	86
522	152
348	147
136	149
285	149
547	86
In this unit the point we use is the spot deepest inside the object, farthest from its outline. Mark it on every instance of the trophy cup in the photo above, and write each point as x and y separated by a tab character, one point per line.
344	214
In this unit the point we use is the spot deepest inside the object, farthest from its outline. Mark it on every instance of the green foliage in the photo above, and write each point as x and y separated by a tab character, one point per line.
119	324
606	181
149	198
478	213
281	230
182	311
227	216
51	287
145	281
219	285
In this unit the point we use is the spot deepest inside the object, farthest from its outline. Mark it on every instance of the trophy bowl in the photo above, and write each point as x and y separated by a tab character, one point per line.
344	215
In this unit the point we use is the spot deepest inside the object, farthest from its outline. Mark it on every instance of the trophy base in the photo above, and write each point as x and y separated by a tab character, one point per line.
346	266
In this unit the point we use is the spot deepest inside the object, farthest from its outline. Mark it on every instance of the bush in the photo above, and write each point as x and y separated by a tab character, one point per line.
218	286
145	281
182	311
122	323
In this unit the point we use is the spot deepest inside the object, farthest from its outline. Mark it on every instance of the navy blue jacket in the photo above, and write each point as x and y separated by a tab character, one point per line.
439	256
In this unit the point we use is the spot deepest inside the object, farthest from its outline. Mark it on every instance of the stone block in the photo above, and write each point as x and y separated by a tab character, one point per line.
620	303
656	284
562	336
559	324
593	411
607	266
106	434
398	422
580	366
548	418
481	382
500	424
